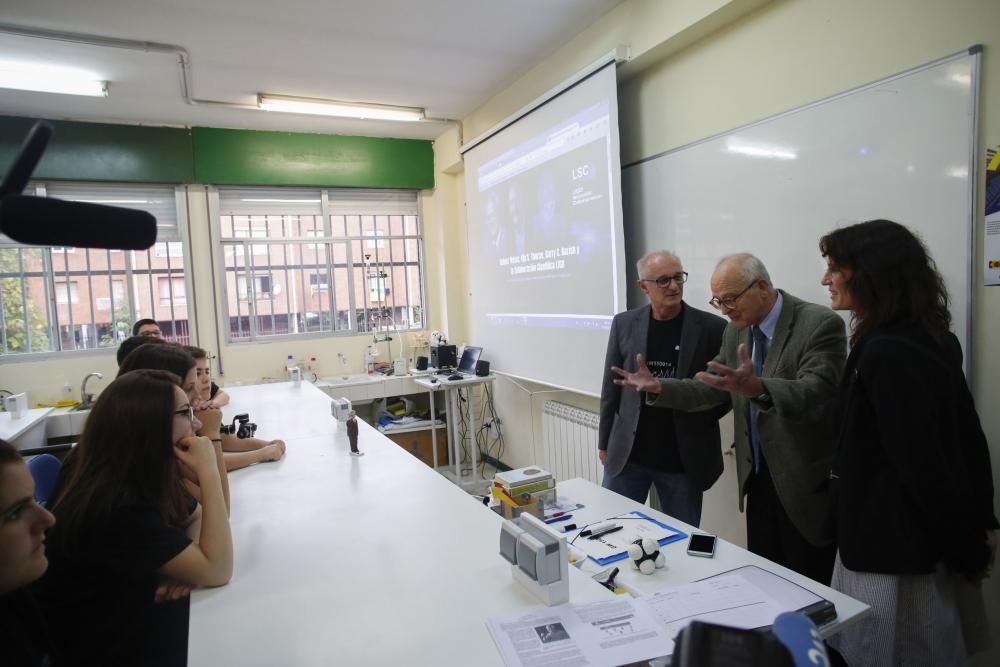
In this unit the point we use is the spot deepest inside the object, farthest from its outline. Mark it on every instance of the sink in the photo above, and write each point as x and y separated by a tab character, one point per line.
338	380
82	407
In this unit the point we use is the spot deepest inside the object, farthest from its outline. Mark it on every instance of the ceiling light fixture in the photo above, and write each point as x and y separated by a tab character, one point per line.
308	105
51	79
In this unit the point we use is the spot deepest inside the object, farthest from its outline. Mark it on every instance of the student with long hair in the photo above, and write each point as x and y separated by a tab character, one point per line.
174	359
211	395
237	452
123	525
912	486
23	523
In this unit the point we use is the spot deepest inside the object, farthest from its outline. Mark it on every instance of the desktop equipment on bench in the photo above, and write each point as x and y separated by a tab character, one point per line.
443	356
467	364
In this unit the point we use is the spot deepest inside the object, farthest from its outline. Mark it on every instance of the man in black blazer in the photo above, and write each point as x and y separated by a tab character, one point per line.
640	445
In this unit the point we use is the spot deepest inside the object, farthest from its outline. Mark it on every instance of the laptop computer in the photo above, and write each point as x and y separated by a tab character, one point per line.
467	364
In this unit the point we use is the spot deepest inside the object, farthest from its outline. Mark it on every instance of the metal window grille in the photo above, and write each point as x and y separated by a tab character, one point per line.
55	300
300	262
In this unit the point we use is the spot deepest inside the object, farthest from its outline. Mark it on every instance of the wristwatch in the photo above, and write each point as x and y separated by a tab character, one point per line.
764	398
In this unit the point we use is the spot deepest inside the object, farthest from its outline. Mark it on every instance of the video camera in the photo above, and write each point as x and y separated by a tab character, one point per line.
246	428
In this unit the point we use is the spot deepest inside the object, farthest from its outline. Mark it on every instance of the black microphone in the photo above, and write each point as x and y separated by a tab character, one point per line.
55	222
27	159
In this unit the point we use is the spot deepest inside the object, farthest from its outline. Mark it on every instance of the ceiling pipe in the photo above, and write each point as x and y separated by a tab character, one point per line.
182	55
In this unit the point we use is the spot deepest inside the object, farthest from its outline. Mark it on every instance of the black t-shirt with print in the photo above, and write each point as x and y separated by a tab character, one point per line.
655	443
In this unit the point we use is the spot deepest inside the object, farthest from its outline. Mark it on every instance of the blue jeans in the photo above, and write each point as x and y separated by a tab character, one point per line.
679	498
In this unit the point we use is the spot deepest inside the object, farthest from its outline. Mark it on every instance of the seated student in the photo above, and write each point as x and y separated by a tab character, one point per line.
131	343
146	327
174	359
122	526
238	452
23	523
208	391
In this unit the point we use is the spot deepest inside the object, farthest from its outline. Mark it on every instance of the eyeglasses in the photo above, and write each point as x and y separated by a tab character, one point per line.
664	281
728	301
185	412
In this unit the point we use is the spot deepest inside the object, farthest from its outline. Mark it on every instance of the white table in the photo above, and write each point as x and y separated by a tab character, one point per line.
379	560
600	504
376	560
32	420
455	440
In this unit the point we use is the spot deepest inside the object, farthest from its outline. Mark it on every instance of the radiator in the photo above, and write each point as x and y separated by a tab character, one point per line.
570	442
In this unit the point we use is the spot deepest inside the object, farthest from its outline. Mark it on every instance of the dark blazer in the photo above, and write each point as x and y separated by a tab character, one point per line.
913	485
802	374
698	440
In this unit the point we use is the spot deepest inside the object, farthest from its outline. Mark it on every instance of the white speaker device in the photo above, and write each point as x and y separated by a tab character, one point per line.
537	556
340	408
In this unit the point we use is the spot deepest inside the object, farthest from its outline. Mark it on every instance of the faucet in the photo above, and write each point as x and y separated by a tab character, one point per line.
85	398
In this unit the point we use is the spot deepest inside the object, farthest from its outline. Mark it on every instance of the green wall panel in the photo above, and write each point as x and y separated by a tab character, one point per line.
247	157
104	152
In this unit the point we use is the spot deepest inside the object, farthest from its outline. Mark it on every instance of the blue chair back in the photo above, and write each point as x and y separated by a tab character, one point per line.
45	470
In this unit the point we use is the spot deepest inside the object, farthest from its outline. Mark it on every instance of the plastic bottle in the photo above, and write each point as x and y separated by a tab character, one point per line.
294	372
313	369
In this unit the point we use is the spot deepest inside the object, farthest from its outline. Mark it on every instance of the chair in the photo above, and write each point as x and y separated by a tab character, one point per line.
45	470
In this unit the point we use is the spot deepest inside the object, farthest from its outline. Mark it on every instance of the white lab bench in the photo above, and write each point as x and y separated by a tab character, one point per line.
378	560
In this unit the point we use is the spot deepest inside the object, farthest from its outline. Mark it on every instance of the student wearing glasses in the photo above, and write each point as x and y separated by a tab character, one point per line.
779	367
174	359
146	327
639	445
123	527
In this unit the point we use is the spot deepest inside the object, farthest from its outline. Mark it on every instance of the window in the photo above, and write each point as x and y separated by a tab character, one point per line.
172	290
337	261
117	296
261	287
174	249
68	292
64	299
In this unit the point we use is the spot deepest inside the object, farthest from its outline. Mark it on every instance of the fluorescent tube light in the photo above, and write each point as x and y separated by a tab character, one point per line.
763	150
318	107
51	79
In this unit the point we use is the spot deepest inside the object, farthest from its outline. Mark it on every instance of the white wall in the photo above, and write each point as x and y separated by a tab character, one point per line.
703	68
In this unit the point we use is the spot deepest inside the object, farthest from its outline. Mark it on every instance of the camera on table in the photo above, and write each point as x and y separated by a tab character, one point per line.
246	428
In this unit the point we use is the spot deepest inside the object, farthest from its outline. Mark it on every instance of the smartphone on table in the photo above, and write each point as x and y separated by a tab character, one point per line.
702	545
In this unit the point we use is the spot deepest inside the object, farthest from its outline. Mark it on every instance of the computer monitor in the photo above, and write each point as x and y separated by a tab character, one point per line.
470	355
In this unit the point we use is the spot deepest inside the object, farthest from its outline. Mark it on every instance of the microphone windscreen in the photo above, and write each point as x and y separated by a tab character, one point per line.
56	222
27	159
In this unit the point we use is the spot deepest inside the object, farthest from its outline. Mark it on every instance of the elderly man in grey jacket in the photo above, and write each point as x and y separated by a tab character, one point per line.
779	367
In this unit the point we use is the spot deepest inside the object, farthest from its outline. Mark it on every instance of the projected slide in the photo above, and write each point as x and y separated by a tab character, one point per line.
545	239
546	208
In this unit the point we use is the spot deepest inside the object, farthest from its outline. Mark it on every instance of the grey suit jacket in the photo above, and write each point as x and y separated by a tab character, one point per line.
802	374
698	441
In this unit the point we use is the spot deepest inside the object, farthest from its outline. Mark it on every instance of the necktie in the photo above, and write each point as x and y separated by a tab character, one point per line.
759	357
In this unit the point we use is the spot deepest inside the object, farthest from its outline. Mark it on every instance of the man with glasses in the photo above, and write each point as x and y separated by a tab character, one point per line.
641	446
779	367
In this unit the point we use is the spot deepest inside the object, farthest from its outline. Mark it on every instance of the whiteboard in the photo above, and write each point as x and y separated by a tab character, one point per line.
902	148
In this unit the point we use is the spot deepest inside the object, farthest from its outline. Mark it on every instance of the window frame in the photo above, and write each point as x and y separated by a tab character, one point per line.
54	325
327	210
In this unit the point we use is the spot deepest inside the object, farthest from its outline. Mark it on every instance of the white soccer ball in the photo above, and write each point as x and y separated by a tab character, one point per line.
645	555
